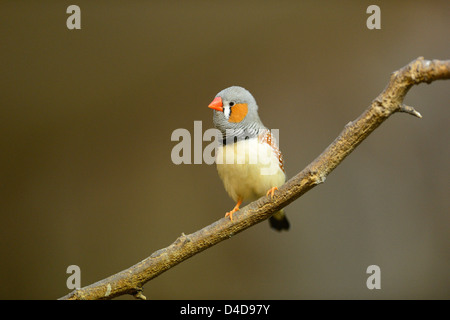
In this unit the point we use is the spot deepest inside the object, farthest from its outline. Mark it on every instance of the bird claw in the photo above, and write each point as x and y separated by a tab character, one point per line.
230	214
271	192
236	208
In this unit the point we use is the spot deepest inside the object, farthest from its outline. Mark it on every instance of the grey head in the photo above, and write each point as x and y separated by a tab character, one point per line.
236	114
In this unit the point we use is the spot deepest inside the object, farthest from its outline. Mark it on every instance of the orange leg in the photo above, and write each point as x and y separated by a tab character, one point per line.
236	208
271	192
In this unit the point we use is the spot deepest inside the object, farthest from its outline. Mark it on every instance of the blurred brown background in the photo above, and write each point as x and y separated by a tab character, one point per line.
86	118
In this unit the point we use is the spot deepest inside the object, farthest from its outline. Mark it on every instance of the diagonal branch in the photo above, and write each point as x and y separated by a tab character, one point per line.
390	101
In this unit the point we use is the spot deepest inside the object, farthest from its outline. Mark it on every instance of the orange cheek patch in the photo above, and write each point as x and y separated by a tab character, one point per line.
238	112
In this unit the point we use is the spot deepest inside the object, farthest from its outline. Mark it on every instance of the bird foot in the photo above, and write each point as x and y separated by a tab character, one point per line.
271	192
236	208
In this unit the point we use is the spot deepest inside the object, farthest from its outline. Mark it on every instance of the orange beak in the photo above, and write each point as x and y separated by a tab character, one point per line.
216	104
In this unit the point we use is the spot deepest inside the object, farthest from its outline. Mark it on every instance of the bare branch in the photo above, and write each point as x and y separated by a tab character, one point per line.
410	110
131	280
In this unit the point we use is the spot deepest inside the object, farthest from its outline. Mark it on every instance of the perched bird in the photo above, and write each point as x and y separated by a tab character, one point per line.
248	159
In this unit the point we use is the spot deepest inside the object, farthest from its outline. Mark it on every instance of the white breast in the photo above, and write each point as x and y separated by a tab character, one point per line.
248	169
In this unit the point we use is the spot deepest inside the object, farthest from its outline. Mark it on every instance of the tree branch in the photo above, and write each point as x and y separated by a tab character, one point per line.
390	101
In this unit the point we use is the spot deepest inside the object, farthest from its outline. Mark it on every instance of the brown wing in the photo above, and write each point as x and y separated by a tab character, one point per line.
267	137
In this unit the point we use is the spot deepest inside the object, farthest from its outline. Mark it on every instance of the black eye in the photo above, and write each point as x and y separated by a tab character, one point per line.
231	103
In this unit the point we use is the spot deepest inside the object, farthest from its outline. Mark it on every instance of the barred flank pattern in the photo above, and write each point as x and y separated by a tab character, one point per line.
267	137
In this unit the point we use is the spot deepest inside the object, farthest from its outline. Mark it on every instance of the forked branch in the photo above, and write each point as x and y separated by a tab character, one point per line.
390	101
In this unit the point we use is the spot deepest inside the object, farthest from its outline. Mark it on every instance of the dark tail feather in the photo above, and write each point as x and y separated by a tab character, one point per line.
278	221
